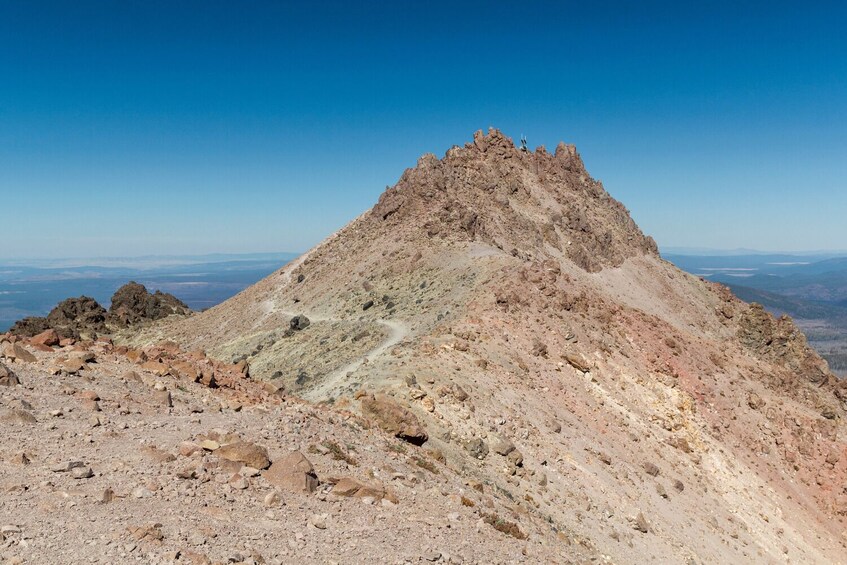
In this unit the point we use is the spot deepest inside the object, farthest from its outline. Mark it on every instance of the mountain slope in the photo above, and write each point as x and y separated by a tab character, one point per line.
607	398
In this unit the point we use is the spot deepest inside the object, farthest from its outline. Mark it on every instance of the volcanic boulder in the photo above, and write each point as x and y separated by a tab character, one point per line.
133	304
245	452
71	318
393	418
293	472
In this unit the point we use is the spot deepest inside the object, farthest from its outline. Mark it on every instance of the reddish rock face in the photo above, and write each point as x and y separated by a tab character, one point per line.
294	472
47	337
472	194
16	352
245	452
393	418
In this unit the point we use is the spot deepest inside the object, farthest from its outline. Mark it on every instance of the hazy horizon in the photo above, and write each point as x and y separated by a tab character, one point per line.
177	258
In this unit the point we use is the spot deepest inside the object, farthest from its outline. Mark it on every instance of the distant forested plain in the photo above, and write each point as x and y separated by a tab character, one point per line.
34	287
812	289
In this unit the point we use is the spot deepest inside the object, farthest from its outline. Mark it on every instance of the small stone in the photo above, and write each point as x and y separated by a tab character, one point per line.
477	448
107	496
91	405
73	366
8	377
640	524
272	500
20	458
318	521
293	472
84	472
162	398
515	458
239	482
142	492
187	448
89	395
48	337
187	474
459	393
245	452
651	469
502	446
428	404
14	351
210	445
66	466
298	323
17	416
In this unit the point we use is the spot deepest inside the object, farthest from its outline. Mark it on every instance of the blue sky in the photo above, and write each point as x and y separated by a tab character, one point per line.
131	128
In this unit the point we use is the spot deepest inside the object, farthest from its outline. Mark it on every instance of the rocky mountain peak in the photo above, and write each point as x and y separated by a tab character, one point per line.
531	204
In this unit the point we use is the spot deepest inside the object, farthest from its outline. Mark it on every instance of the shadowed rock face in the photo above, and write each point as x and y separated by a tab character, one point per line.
780	341
133	304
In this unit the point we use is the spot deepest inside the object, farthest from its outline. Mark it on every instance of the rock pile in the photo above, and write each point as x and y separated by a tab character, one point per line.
85	318
133	304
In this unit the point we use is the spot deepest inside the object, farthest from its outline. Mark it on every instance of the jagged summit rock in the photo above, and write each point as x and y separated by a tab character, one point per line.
533	204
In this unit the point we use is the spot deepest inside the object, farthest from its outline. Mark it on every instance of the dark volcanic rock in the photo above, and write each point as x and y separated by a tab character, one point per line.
72	318
84	317
30	326
298	323
133	304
